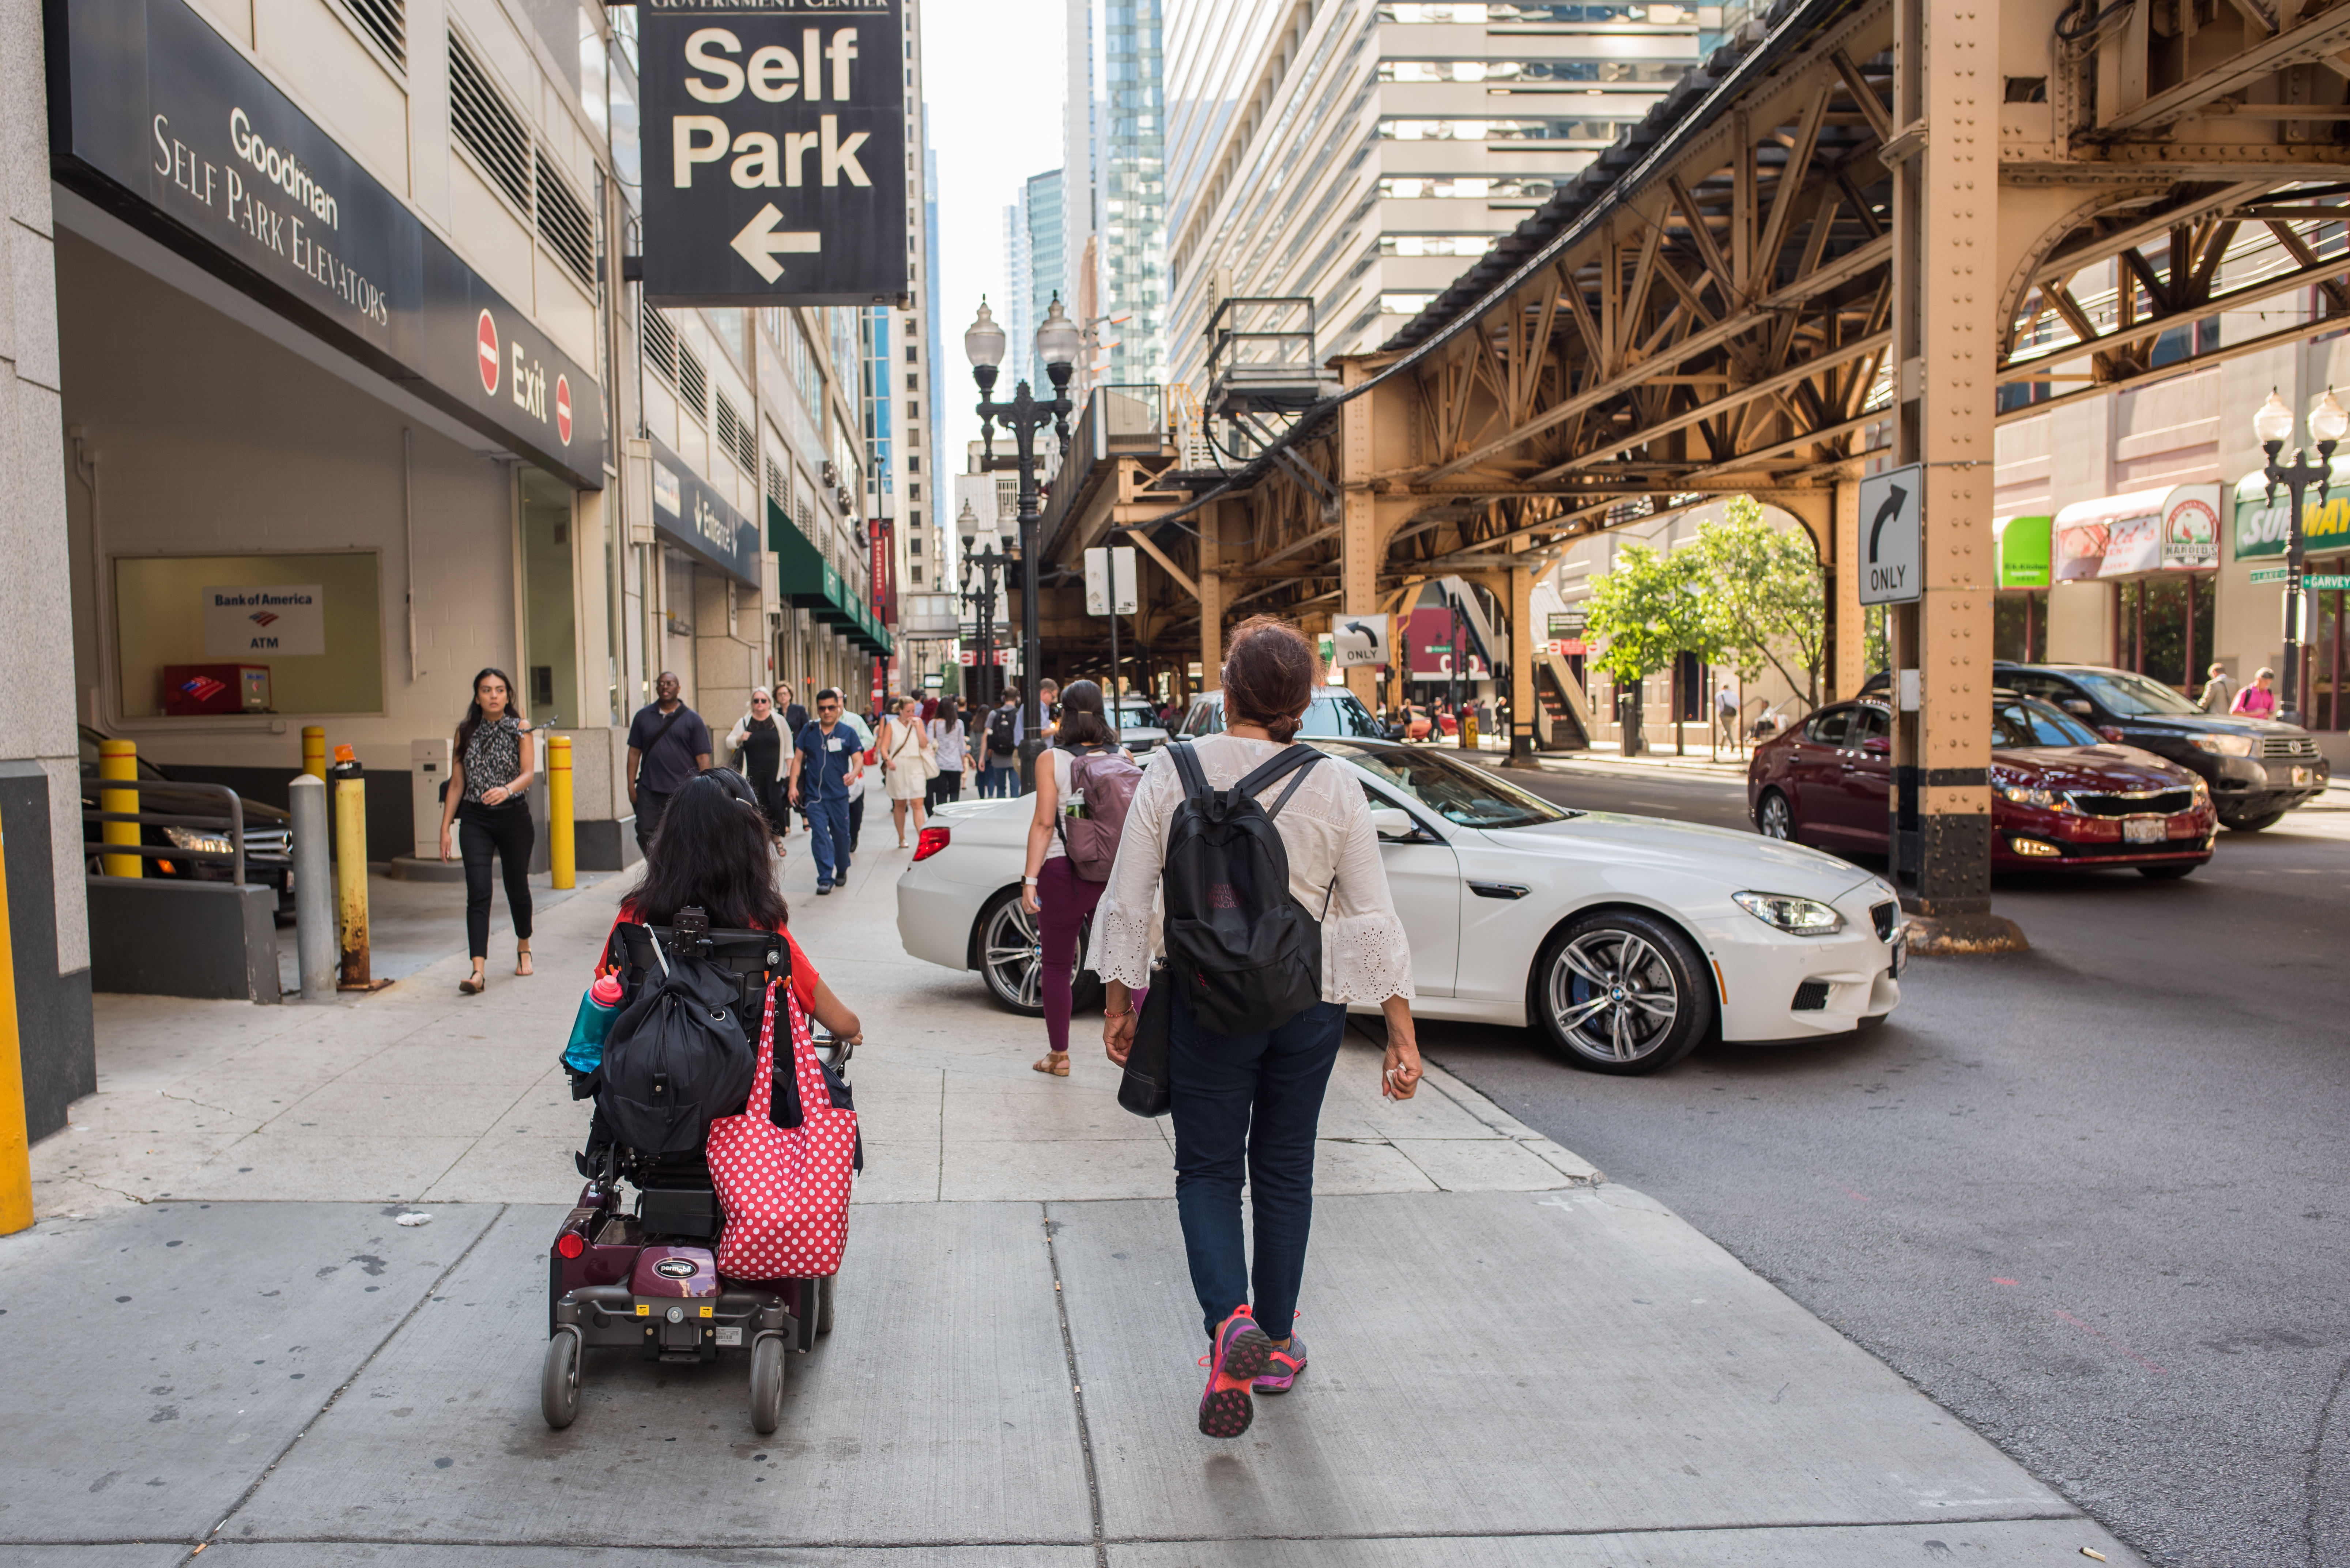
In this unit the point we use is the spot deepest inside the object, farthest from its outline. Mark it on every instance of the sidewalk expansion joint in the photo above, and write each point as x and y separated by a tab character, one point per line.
1076	1388
358	1372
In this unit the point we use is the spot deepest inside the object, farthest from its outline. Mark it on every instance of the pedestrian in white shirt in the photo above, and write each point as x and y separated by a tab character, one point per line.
1246	1108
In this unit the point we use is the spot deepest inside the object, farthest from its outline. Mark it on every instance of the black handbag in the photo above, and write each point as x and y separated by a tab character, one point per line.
1146	1090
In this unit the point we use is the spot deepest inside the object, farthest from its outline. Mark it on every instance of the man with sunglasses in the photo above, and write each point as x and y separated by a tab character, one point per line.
826	761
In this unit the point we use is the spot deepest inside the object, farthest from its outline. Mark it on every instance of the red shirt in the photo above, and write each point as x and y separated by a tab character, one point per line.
804	976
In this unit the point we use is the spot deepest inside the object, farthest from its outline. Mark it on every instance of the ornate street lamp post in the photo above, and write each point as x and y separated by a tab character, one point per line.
983	557
1057	343
2273	424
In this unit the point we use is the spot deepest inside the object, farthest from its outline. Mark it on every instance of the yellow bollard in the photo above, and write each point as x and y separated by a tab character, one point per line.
119	760
1469	730
15	1150
314	750
562	854
350	869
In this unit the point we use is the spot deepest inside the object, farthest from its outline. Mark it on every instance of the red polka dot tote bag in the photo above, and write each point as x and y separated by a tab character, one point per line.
785	1190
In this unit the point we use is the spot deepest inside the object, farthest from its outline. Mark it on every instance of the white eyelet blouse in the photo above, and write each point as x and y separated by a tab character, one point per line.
1333	853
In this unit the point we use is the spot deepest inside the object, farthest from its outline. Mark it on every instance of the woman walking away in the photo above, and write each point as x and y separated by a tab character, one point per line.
952	745
905	749
1247	1102
488	793
758	741
1054	894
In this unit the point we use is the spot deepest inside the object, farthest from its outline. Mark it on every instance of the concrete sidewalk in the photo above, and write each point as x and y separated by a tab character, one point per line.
218	1334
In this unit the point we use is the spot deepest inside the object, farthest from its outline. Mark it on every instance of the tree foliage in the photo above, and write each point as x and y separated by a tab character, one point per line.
1647	609
1765	594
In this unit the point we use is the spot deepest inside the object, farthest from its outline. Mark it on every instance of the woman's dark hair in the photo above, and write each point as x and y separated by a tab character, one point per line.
711	852
1082	721
472	720
948	712
1269	674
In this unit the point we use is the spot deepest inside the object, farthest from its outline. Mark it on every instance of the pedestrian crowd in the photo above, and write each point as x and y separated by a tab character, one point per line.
1236	898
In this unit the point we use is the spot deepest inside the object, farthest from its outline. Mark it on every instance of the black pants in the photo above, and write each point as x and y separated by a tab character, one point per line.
507	832
947	786
650	803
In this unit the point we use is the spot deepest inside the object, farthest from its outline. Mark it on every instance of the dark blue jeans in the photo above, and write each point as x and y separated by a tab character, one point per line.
1249	1103
828	831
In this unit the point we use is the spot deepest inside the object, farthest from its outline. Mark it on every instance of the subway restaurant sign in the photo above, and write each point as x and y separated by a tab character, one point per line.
2260	523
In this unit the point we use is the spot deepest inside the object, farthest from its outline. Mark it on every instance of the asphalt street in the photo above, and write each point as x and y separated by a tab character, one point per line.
2090	1198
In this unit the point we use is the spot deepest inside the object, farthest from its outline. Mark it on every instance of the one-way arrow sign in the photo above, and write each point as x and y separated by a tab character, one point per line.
1892	564
760	243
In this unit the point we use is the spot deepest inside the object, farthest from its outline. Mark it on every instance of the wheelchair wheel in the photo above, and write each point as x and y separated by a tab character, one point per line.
824	1302
767	1385
558	1381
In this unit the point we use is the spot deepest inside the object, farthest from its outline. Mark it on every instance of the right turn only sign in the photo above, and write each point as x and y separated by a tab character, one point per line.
1891	561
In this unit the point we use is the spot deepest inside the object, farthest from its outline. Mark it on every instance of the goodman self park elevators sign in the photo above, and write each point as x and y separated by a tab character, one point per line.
774	152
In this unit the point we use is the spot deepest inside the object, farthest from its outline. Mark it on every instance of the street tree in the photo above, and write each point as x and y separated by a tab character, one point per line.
1765	594
1646	610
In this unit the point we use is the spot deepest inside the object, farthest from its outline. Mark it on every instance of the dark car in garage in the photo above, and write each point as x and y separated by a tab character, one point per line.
2062	798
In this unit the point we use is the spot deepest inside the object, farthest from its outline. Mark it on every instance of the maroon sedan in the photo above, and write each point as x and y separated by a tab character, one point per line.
2060	795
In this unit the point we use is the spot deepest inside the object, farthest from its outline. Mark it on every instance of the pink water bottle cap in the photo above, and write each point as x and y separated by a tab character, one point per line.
606	991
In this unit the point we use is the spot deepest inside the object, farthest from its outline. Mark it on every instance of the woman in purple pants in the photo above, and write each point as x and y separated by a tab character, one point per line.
1054	893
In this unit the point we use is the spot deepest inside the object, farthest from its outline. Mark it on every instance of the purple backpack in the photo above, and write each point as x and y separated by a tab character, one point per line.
1107	779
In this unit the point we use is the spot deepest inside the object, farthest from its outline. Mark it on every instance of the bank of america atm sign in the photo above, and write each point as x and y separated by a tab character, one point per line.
775	153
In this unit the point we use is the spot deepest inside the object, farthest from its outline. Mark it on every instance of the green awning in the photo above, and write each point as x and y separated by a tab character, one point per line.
806	579
2024	552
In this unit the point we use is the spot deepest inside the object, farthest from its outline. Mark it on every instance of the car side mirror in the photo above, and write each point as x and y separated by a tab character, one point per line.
2077	708
2110	732
1394	824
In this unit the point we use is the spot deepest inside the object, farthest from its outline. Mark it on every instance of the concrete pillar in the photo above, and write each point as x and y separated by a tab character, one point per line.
1359	540
1947	293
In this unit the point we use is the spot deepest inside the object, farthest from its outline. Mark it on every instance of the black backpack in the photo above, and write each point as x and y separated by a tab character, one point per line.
1245	951
683	1050
999	731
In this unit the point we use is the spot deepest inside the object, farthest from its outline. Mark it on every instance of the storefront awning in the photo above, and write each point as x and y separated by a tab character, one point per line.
691	516
2023	556
806	578
2260	522
2146	531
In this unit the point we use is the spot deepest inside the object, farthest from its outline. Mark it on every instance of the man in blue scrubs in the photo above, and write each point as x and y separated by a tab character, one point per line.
826	760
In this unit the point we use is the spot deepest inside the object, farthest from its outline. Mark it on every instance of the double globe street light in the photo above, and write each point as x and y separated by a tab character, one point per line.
1058	341
983	558
2328	423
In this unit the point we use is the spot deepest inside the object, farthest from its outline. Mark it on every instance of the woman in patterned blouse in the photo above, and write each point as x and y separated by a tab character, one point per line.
488	792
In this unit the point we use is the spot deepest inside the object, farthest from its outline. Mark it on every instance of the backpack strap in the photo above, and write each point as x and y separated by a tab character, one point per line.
1187	766
1294	757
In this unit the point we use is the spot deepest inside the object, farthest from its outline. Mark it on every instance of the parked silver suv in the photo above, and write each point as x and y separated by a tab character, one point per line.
1335	713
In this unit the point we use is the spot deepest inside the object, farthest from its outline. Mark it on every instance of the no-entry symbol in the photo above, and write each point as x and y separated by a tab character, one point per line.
1892	564
562	408
486	344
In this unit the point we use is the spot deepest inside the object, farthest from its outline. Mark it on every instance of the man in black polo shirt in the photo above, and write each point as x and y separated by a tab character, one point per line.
667	744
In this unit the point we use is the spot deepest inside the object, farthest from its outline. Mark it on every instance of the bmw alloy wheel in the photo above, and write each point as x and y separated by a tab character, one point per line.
1011	955
1623	991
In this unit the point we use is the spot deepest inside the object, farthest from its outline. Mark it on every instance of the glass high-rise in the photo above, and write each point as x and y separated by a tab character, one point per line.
1132	177
1363	153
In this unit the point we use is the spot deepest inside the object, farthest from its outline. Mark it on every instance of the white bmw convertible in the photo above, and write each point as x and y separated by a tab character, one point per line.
1627	940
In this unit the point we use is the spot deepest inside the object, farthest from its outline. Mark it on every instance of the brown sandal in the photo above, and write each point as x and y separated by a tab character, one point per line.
523	966
1056	1062
474	985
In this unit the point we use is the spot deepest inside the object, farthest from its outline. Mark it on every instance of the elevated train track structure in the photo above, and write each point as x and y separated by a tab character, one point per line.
1825	249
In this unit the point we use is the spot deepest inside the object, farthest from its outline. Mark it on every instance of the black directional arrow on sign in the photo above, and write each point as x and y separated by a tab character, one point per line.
1894	496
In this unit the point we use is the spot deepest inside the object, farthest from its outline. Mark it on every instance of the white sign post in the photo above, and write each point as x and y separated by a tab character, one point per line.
1892	557
1359	640
1111	591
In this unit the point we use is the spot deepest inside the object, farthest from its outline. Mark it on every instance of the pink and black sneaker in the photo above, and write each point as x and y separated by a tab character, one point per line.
1237	1359
1282	1368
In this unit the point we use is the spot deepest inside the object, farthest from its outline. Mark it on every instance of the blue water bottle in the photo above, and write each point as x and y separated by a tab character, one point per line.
584	1052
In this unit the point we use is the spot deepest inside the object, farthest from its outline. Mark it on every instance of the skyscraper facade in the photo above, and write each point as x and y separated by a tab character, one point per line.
1047	255
1364	154
1132	180
1020	284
